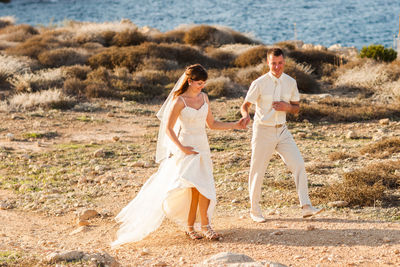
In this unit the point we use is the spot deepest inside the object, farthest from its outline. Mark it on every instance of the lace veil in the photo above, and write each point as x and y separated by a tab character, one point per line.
164	143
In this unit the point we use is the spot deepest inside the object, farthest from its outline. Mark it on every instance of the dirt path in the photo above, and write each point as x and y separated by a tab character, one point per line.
333	239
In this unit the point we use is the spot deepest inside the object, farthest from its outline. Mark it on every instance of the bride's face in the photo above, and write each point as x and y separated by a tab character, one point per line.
196	86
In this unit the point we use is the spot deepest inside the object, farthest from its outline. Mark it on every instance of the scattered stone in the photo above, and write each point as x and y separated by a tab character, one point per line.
88	214
65	256
235	201
301	135
138	164
351	135
105	213
160	264
396	251
298	257
100	153
386	240
310	227
277	233
338	204
83	223
240	188
4	205
227	257
144	252
10	137
116	138
384	121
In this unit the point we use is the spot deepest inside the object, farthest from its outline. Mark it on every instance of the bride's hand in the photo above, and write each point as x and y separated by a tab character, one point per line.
241	124
188	150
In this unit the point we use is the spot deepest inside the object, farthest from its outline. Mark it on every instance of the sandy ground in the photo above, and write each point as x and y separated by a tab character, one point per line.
337	237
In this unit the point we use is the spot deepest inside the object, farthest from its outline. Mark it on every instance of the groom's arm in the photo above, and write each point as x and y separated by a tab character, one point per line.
244	110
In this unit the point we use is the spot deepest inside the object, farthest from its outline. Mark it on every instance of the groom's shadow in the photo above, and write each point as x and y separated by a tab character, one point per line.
313	233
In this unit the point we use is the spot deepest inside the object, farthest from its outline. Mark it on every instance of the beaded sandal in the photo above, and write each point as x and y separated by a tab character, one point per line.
192	234
209	233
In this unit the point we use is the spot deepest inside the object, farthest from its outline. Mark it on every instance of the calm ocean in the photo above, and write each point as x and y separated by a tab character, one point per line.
349	23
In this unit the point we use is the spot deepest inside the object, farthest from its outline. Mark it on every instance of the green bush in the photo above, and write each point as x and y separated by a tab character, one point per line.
378	52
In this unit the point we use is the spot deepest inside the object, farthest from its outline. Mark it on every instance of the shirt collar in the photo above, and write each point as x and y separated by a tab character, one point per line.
275	79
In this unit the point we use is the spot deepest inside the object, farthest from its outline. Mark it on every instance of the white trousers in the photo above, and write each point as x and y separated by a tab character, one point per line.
265	141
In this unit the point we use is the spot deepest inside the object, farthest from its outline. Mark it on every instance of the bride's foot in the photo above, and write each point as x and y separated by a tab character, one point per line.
209	233
192	234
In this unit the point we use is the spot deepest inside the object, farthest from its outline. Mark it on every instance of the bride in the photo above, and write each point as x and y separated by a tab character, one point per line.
183	187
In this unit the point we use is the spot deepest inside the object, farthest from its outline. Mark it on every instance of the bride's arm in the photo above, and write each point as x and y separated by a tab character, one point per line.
172	118
219	125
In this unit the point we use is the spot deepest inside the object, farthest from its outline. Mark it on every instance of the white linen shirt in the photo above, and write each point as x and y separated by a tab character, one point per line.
266	89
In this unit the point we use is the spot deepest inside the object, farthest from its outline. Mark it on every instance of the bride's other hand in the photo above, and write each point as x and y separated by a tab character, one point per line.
188	150
241	124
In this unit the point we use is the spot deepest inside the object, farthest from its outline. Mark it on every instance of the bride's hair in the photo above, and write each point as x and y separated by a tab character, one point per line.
194	72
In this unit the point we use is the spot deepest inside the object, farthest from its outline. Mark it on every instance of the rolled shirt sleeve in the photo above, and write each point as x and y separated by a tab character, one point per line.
253	93
295	97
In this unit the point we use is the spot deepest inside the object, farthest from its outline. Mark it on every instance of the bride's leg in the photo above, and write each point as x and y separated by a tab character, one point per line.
192	215
206	229
193	207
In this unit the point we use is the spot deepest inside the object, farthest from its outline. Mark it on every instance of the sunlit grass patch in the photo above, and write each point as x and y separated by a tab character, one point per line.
383	148
40	135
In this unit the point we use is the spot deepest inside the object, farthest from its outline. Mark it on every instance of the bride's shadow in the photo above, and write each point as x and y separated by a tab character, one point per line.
313	234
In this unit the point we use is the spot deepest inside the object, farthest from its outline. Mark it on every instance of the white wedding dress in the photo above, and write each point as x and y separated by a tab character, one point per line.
168	191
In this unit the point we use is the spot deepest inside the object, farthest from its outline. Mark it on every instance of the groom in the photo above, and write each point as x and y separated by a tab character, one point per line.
274	95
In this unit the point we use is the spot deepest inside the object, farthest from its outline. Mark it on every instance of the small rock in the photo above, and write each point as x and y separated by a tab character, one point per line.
160	264
351	135
386	240
240	188
138	164
235	201
338	204
384	121
396	251
88	214
310	227
65	256
277	233
298	257
83	222
226	258
100	153
116	138
144	252
10	137
301	135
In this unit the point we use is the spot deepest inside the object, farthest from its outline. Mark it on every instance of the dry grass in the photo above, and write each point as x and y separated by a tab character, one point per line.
364	187
41	80
128	37
6	21
76	71
173	36
314	58
306	82
17	33
245	76
383	148
222	86
132	57
154	63
336	110
339	155
253	56
225	57
74	87
53	98
63	57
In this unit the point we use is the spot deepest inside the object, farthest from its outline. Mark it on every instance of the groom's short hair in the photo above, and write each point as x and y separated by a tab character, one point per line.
275	51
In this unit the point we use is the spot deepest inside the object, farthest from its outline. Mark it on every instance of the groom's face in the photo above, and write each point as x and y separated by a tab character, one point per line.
276	65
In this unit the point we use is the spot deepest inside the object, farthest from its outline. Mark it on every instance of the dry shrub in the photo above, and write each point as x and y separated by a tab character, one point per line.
74	87
17	33
339	155
36	45
364	186
41	80
10	66
225	57
383	148
315	58
101	89
128	37
286	45
153	63
63	57
174	36
369	76
132	57
306	82
204	35
240	38
245	76
253	56
222	86
345	111
76	71
53	98
151	77
6	21
102	33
